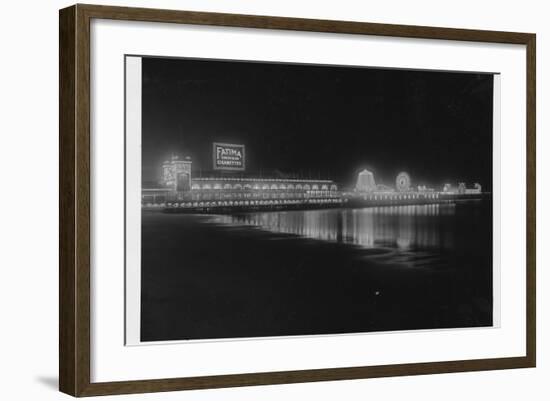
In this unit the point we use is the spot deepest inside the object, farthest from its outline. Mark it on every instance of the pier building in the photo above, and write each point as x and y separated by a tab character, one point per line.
179	188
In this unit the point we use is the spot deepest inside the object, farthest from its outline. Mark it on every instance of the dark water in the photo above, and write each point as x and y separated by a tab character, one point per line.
316	271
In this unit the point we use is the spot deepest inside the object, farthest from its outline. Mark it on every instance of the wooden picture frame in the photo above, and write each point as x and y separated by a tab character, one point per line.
74	205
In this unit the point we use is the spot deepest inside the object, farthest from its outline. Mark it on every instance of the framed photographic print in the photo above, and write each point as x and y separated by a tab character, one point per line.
251	200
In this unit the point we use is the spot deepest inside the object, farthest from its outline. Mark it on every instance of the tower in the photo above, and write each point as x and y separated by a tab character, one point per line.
365	182
176	174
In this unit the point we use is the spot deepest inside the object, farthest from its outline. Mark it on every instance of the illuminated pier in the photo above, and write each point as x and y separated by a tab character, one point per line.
179	191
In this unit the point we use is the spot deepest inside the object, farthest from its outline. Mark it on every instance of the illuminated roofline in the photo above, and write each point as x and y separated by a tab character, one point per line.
259	179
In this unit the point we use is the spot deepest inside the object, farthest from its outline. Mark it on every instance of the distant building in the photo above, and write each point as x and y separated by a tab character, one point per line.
424	188
448	188
475	190
365	182
461	189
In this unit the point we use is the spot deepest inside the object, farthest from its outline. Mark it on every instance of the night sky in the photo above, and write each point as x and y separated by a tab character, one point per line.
320	121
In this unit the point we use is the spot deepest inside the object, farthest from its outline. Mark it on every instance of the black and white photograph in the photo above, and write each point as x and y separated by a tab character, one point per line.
285	199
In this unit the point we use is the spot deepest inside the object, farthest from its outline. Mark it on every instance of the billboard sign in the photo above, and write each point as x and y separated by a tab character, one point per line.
228	156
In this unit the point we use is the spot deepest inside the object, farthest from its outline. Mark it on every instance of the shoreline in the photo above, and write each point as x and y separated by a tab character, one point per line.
203	279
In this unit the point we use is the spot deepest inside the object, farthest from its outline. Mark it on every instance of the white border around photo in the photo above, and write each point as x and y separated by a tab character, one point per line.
112	360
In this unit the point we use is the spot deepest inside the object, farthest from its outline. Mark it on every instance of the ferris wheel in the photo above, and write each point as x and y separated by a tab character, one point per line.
403	182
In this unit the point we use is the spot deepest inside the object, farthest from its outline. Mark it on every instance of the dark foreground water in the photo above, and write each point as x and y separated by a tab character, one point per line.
316	271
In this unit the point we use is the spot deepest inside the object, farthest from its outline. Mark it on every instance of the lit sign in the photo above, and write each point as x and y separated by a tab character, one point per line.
228	156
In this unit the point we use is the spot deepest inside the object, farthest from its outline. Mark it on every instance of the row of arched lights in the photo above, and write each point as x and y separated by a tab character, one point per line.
401	197
264	187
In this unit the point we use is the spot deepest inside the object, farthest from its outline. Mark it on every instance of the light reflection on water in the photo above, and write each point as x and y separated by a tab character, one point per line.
399	227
